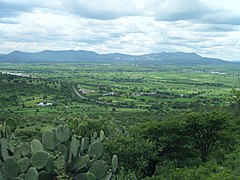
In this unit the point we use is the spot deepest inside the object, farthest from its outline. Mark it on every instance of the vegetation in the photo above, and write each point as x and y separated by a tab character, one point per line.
119	121
65	158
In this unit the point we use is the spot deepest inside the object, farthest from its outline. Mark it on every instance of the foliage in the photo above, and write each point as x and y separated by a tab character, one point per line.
209	132
134	153
151	119
70	163
177	139
236	99
207	171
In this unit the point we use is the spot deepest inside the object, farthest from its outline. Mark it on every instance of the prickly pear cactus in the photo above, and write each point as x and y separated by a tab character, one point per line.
63	133
39	159
108	176
22	176
17	152
43	175
96	149
74	146
114	163
86	176
25	149
63	157
81	163
4	150
12	144
99	169
94	137
63	150
36	146
48	140
32	174
50	165
102	136
83	146
24	164
8	132
12	168
11	123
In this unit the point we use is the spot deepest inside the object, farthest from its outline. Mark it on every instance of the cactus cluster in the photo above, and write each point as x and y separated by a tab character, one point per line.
9	126
60	154
24	161
82	156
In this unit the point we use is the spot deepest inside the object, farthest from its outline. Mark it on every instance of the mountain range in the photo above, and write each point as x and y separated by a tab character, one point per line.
164	58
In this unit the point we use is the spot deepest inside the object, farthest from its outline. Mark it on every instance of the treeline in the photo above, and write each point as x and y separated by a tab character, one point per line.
194	145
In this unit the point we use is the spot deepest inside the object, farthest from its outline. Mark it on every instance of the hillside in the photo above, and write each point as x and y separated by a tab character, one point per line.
163	58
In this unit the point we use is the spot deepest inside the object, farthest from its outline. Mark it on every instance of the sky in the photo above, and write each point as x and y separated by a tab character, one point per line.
209	28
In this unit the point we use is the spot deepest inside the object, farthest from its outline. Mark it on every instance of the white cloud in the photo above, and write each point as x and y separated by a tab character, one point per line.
210	28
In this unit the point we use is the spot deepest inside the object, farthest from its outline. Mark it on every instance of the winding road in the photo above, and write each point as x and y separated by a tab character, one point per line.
100	102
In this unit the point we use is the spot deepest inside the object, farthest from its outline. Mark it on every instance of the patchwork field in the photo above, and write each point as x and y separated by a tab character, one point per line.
119	85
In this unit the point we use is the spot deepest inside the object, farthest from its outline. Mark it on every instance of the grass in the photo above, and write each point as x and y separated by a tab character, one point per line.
125	79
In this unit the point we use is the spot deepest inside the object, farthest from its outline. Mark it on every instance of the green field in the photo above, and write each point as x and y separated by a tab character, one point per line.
128	85
149	113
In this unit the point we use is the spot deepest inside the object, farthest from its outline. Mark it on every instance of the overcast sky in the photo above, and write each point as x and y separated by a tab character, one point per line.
208	27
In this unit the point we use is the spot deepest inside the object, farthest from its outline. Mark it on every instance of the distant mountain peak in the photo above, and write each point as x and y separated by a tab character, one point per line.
16	52
176	58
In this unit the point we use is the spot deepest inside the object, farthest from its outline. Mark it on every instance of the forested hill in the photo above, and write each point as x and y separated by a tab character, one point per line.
163	58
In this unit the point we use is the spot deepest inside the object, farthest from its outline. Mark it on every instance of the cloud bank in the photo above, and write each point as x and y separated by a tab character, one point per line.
210	28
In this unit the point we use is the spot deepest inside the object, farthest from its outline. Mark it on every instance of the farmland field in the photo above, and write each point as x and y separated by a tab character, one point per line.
132	103
124	85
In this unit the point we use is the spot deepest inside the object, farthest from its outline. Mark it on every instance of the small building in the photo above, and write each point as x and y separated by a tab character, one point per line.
111	94
42	104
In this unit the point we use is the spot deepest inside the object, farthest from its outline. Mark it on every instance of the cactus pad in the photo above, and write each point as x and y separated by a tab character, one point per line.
4	150
32	174
17	152
81	163
43	175
64	151
86	176
102	136
50	165
25	149
114	163
48	140
96	149
63	133
99	169
36	146
12	168
74	146
39	159
108	176
8	132
24	164
11	123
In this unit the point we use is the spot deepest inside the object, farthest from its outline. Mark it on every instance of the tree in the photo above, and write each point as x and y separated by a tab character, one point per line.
236	99
169	139
134	153
208	130
190	136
